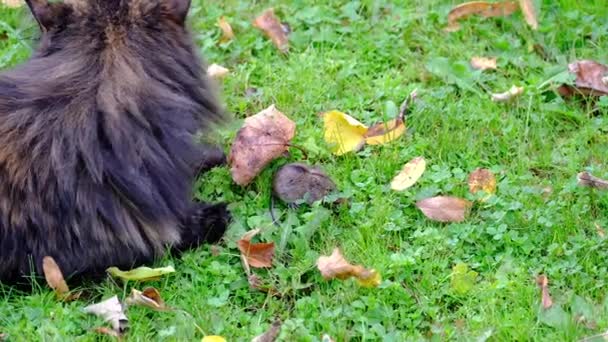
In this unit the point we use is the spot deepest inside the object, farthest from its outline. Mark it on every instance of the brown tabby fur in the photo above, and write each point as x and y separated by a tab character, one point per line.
97	140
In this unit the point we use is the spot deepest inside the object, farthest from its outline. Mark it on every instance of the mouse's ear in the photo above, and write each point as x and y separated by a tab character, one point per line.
46	14
177	9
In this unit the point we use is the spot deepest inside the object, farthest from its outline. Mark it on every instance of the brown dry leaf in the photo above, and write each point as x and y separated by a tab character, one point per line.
55	280
527	7
149	297
508	95
589	180
270	335
482	179
227	33
13	3
256	255
482	8
591	78
335	266
483	63
217	71
272	27
543	282
444	208
409	174
263	137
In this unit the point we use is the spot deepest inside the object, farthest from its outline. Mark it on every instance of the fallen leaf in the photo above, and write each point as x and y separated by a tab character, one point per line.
527	7
297	181
383	133
335	266
263	138
272	27
141	273
508	95
217	71
543	282
55	280
484	180
107	331
213	338
591	79
13	3
409	175
327	338
270	335
600	231
444	208
227	33
483	63
589	180
256	255
343	132
482	8
149	297
3	337
462	279
112	311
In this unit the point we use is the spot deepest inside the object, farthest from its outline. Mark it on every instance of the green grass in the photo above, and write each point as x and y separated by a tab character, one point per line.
357	56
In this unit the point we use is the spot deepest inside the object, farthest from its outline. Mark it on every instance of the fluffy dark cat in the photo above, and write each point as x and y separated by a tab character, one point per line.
98	149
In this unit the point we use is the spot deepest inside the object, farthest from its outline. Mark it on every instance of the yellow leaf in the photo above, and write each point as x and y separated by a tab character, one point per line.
383	133
344	132
409	175
227	33
141	273
372	280
213	339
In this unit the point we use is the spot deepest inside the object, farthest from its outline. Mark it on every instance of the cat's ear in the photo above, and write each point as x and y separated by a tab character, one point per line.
177	10
46	14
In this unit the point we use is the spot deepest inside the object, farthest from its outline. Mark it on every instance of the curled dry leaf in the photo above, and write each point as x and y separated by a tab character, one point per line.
543	282
484	180
149	297
256	255
591	79
270	335
55	280
263	138
483	63
409	175
13	3
141	273
527	8
382	133
508	95
482	8
227	33
272	27
335	266
444	208
297	181
343	132
589	180
112	311
217	71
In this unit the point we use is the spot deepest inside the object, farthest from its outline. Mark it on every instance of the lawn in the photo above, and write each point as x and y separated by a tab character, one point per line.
363	58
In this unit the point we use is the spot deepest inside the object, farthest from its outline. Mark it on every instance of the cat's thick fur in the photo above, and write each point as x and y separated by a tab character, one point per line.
98	149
